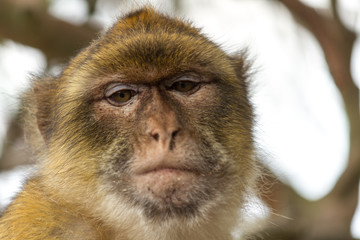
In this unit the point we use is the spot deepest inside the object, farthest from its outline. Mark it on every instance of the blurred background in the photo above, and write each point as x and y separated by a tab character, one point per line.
305	86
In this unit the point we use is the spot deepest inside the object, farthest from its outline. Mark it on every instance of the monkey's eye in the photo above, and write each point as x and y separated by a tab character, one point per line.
184	86
119	96
122	96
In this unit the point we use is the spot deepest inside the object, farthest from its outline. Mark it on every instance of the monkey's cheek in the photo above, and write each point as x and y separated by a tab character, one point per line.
167	185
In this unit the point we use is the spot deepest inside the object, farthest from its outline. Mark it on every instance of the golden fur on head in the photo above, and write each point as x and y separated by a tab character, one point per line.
99	174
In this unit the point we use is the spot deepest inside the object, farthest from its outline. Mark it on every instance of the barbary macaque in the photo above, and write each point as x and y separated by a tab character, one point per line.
146	134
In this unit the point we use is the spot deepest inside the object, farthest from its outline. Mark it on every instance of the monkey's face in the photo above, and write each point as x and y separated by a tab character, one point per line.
164	140
164	154
159	116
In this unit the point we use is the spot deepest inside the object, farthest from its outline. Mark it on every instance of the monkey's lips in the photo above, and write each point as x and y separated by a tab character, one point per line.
167	184
166	170
166	174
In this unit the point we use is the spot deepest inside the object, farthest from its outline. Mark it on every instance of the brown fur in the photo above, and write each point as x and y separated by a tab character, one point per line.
98	172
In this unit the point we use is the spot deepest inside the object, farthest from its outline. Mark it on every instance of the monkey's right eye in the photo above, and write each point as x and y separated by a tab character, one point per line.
118	96
122	96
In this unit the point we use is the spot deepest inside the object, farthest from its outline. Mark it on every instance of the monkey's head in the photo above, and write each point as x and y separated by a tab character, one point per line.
152	115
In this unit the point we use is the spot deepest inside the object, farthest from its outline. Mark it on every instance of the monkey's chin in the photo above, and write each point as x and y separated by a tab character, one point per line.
167	187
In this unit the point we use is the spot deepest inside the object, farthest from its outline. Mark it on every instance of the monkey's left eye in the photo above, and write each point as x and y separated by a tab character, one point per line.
184	86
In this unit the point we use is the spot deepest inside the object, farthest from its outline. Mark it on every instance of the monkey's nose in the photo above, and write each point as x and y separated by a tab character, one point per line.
164	137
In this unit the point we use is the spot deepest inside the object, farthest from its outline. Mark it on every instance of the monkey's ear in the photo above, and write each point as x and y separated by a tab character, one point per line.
241	65
43	94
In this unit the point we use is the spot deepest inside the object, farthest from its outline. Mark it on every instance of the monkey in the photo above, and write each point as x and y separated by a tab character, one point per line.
146	134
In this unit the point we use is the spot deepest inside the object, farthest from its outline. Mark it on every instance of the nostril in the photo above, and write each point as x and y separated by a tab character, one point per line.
174	133
172	140
155	136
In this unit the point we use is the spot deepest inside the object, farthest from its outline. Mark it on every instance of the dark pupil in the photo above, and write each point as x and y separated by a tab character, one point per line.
183	85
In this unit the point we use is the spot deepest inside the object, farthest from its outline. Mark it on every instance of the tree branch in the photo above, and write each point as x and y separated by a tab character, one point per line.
35	28
335	11
330	217
337	43
334	38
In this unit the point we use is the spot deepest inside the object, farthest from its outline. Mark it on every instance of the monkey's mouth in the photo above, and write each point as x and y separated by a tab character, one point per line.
170	185
167	170
166	176
164	168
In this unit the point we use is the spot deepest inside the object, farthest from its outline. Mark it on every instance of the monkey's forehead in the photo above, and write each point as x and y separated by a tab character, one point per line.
147	20
146	46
